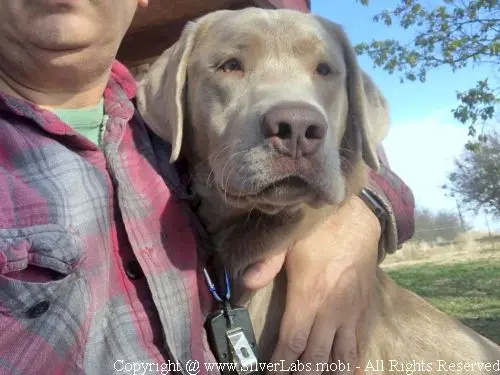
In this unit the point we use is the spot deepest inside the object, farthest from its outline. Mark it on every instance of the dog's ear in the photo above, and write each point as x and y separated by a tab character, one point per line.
368	110
160	94
375	122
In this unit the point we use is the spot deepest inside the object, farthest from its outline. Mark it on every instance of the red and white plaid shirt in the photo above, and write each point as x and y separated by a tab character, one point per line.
99	271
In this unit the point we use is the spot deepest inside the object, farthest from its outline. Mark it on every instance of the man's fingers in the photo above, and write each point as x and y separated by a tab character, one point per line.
294	331
345	351
319	346
260	274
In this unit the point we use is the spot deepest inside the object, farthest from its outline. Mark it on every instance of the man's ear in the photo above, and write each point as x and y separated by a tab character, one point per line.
368	110
160	94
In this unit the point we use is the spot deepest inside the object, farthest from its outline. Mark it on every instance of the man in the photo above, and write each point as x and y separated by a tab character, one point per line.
98	265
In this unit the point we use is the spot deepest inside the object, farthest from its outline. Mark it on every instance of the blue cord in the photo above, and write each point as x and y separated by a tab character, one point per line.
213	289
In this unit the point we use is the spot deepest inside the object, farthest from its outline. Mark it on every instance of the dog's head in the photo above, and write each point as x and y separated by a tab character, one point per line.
270	106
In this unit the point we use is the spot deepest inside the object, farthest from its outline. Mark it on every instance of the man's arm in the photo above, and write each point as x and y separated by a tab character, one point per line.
397	199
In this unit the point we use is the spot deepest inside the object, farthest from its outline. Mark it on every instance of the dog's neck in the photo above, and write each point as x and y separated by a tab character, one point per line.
241	237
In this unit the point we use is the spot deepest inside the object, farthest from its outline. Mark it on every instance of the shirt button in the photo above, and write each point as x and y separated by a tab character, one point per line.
38	310
134	270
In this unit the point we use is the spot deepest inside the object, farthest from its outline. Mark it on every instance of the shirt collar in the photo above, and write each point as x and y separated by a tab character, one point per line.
119	91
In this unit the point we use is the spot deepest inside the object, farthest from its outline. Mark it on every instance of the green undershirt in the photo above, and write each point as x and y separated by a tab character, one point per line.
86	121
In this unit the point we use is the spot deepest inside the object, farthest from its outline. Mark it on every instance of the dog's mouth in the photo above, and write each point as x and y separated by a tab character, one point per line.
284	186
285	192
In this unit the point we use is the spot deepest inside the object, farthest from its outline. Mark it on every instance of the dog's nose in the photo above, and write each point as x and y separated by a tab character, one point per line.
295	131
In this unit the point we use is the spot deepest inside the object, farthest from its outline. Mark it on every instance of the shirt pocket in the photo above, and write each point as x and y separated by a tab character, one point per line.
38	265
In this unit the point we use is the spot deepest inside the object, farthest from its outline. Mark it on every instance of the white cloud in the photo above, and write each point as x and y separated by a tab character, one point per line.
422	153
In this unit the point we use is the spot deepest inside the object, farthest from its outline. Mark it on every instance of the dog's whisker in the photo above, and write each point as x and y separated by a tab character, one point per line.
213	156
233	156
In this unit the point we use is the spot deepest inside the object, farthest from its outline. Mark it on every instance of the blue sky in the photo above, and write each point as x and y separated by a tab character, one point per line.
424	138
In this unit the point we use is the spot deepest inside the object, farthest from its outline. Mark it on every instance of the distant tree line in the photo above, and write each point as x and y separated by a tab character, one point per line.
440	226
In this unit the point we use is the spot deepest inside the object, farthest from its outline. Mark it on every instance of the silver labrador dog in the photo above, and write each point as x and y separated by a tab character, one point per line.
279	125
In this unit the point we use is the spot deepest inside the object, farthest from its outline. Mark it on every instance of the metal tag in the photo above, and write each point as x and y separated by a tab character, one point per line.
242	351
232	340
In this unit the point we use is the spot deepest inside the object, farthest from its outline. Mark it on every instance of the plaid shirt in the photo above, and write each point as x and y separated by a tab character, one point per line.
98	262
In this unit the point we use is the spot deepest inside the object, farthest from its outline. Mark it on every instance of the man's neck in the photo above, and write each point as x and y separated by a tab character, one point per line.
66	96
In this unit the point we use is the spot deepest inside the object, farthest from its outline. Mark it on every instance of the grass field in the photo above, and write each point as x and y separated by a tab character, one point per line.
464	283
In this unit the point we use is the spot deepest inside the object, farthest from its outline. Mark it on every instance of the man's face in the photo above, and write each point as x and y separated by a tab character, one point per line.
65	25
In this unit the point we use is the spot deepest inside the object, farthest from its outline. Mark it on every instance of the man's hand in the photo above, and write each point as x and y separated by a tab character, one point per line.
330	275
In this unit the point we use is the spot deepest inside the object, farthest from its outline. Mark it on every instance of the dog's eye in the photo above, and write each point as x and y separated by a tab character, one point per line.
231	65
323	69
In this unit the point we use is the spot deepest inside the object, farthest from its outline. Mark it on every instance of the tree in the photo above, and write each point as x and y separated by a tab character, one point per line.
475	180
455	33
431	226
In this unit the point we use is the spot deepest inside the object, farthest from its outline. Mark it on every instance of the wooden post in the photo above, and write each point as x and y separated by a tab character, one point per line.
490	236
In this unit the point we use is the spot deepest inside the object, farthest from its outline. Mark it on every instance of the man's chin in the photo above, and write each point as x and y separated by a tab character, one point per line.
63	33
